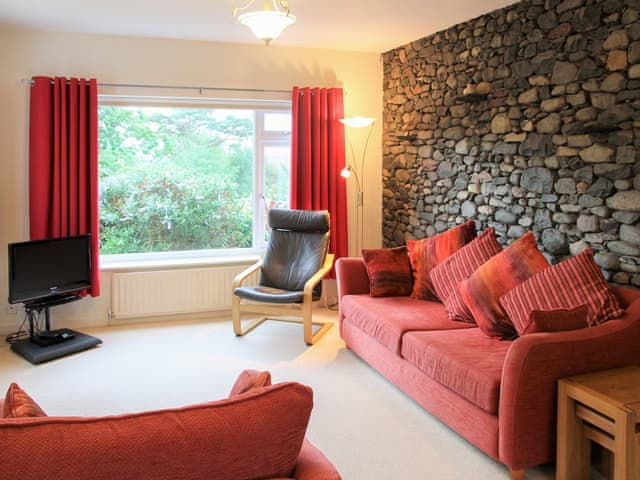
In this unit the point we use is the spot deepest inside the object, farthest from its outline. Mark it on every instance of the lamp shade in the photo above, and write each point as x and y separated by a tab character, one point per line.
266	24
357	122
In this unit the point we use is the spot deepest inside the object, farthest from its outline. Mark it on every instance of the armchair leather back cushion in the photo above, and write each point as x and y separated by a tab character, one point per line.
297	248
253	436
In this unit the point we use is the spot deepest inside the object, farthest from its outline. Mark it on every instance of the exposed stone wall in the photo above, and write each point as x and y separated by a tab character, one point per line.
527	118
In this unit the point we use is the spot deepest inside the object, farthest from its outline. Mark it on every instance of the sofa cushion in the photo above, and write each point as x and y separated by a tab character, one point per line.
389	271
461	265
253	436
250	380
429	252
481	292
18	404
465	361
558	320
387	318
569	284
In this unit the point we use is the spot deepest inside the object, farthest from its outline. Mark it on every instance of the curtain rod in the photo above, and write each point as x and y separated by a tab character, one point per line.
179	87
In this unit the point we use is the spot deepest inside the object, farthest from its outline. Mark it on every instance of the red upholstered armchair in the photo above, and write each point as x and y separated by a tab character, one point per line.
254	435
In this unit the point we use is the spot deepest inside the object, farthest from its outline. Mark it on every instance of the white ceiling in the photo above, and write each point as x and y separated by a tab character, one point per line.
359	25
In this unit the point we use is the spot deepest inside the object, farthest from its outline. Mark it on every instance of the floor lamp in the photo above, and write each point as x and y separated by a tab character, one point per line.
357	169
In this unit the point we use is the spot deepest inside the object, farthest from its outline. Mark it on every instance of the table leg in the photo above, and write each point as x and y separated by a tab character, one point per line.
637	452
573	453
624	457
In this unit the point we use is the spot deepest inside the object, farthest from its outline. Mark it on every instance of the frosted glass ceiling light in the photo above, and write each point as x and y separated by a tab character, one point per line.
268	23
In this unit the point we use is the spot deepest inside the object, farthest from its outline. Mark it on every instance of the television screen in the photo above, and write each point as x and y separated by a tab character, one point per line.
45	268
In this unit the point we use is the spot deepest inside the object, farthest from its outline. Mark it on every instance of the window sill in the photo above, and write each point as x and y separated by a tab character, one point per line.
173	263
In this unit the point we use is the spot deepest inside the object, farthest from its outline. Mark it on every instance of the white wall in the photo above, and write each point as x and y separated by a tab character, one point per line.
25	53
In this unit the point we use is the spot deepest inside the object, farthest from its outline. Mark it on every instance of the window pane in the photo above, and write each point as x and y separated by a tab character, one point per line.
276	177
277	122
175	179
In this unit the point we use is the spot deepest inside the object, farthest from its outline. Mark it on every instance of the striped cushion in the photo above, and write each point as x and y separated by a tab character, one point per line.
389	271
457	267
425	254
568	284
481	292
18	404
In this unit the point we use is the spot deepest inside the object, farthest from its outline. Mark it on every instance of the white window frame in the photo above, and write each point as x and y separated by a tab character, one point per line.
261	139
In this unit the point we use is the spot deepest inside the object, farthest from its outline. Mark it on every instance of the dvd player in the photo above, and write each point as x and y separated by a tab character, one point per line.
51	337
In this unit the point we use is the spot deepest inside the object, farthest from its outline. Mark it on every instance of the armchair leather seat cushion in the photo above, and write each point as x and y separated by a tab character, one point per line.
271	295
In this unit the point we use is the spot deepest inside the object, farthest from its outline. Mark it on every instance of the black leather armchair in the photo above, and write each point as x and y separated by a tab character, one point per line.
290	273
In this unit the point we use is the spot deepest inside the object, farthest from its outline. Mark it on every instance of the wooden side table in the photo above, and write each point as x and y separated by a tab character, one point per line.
603	407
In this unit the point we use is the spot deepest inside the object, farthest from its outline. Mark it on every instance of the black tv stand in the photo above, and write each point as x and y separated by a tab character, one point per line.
47	344
34	307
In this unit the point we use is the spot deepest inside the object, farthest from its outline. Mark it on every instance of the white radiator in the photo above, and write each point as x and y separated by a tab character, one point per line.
167	292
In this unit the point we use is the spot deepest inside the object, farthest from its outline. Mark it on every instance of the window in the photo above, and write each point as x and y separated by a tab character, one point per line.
185	178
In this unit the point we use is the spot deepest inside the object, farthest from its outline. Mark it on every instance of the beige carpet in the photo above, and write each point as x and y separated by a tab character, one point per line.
368	428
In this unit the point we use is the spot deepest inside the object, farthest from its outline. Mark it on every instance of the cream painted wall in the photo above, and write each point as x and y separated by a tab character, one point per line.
25	53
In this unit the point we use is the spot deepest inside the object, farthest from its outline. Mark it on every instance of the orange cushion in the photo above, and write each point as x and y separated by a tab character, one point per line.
425	254
481	292
389	271
461	265
18	404
257	435
250	380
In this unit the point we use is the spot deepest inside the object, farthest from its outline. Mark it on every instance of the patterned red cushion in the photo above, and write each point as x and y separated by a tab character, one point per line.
389	271
429	252
457	267
558	320
568	284
250	380
18	404
481	292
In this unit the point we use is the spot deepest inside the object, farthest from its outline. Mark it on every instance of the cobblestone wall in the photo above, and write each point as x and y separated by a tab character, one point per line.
527	118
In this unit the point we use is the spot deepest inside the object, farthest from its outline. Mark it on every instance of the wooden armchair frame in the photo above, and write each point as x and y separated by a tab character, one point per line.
286	312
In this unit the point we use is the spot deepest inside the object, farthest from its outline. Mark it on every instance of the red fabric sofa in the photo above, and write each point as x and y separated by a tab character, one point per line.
500	395
256	435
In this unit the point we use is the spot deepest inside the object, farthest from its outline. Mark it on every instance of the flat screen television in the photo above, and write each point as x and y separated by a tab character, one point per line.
46	268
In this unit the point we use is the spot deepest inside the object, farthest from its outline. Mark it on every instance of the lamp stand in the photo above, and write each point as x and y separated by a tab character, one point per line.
355	168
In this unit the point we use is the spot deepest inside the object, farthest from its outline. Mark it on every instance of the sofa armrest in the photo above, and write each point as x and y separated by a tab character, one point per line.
532	368
313	465
351	276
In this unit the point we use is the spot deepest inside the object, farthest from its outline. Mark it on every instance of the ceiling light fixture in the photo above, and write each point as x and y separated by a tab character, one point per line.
268	23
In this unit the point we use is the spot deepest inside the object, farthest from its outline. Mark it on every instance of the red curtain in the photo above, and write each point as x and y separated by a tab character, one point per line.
63	162
317	157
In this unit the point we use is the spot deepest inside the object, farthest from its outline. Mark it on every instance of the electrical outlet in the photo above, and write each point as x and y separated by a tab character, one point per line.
12	309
